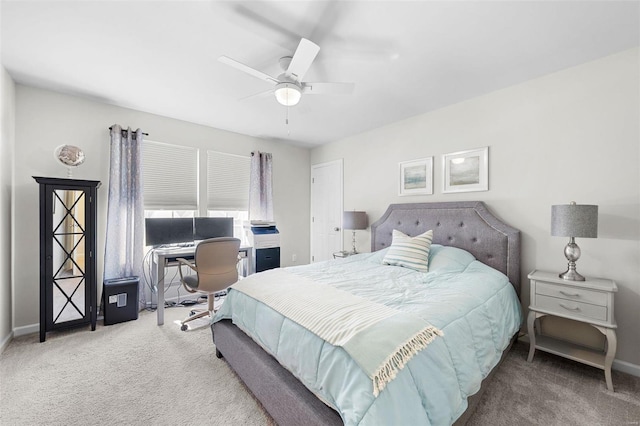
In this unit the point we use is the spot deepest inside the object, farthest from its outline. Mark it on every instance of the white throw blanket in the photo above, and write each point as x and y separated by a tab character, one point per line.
380	339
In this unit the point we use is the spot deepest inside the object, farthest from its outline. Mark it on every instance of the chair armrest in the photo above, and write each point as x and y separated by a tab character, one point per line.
183	261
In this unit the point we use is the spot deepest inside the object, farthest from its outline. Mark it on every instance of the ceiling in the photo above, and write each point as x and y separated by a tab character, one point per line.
405	58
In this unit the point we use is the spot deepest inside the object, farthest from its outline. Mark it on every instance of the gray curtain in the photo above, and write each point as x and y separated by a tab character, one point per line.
125	208
260	187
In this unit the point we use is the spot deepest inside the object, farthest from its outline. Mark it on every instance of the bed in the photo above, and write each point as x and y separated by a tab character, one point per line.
301	378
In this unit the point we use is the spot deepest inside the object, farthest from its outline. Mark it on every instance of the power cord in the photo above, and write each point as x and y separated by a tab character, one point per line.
148	282
147	272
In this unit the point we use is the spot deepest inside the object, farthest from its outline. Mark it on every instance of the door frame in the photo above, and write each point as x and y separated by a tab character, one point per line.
339	162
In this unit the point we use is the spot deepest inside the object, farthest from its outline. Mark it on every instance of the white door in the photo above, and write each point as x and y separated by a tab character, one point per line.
326	210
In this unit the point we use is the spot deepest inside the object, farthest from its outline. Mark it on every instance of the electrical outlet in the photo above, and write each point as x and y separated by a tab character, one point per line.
294	258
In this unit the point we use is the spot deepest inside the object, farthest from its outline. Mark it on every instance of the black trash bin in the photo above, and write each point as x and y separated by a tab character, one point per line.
120	300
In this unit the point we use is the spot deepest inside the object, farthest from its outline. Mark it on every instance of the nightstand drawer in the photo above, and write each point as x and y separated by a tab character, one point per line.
572	293
571	308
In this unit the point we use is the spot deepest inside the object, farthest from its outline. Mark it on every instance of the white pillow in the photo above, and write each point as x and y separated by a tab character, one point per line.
408	252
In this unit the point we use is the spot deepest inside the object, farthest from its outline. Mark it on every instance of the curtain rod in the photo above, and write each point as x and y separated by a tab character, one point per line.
146	134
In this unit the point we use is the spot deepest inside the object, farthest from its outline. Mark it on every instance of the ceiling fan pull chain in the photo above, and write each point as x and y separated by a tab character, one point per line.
287	122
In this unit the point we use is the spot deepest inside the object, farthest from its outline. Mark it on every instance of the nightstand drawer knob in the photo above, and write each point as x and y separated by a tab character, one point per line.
569	294
577	308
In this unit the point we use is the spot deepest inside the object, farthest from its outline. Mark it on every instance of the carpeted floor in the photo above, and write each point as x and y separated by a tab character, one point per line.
554	391
132	373
138	373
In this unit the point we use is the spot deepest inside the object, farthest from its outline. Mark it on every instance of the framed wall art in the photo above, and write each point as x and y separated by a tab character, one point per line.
416	177
466	171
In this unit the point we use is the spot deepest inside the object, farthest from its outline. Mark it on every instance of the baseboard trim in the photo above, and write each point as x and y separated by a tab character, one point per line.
5	341
26	329
626	367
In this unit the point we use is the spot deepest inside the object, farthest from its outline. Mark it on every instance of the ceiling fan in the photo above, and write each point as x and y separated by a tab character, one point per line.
289	86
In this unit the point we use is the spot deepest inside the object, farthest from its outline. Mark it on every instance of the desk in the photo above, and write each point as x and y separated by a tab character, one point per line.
164	257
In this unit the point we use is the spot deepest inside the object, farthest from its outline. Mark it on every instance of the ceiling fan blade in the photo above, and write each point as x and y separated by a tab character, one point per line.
267	21
264	94
302	59
328	88
247	69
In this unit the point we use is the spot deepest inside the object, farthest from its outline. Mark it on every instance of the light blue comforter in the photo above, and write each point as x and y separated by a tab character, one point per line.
474	305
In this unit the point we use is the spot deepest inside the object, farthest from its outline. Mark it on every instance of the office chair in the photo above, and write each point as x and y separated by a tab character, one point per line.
216	269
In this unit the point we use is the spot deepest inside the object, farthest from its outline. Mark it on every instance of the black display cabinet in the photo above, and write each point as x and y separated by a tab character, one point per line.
67	253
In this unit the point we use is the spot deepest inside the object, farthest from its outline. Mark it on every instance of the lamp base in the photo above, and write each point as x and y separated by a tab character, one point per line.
571	275
353	243
572	253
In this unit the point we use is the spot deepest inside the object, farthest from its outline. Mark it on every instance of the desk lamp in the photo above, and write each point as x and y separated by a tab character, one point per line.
354	220
574	220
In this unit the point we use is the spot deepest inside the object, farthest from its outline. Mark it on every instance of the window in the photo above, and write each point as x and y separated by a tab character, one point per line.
228	189
239	218
170	174
174	176
227	181
169	213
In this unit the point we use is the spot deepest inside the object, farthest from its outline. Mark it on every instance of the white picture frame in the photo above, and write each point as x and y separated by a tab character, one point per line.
416	177
466	171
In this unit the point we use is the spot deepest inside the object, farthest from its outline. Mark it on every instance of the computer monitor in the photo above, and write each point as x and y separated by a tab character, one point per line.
212	227
161	231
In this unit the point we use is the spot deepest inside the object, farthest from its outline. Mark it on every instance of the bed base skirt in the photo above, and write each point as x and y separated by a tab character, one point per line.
283	396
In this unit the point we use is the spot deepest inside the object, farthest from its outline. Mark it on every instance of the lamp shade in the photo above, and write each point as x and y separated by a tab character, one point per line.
354	220
574	220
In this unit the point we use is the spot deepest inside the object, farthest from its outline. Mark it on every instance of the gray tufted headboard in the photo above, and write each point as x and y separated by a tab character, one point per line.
464	224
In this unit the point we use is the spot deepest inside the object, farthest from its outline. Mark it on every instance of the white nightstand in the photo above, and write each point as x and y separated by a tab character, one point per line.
589	301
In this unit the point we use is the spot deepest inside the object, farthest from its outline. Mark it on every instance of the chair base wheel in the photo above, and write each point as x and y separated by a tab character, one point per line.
184	327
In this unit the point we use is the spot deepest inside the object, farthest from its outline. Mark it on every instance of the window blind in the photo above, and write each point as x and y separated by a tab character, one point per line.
227	181
170	174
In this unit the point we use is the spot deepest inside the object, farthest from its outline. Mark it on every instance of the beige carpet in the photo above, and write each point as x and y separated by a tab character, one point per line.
138	373
554	391
131	373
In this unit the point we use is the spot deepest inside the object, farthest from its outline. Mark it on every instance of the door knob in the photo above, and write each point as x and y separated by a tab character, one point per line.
336	229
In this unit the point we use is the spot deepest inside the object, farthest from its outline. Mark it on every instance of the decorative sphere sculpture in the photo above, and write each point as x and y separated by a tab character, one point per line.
69	156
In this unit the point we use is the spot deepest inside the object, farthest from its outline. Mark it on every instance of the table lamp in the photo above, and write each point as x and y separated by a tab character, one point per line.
574	220
354	220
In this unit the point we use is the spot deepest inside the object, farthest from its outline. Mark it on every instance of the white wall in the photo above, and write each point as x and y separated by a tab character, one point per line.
7	117
46	119
571	135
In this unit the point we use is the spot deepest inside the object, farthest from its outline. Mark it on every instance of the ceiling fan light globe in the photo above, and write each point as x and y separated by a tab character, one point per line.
288	94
